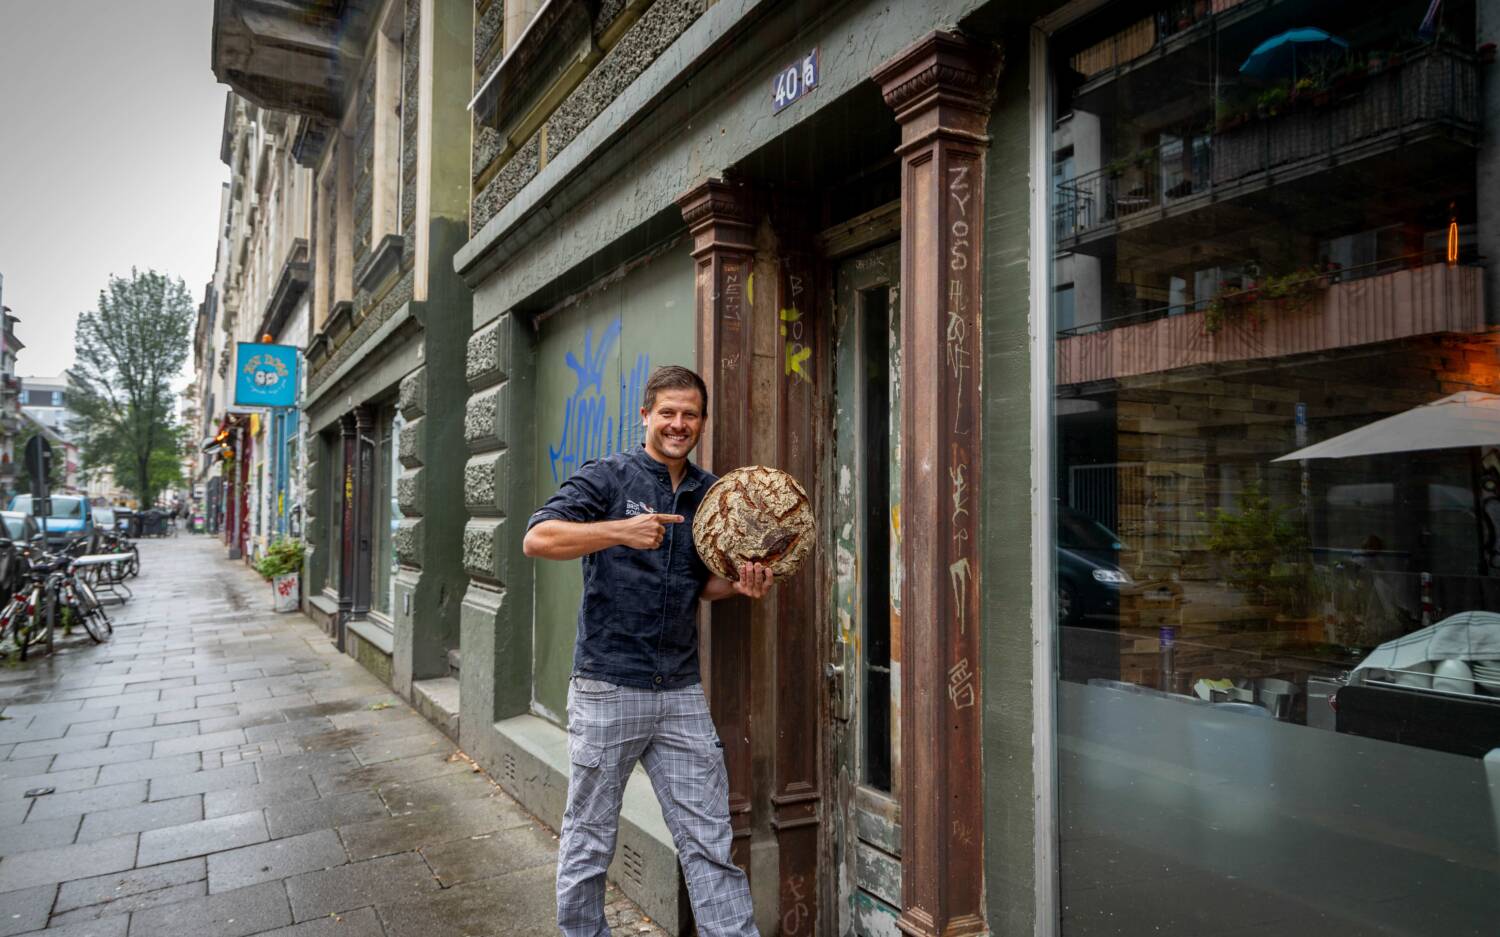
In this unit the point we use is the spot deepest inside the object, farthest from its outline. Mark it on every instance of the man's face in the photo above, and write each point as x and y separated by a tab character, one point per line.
673	422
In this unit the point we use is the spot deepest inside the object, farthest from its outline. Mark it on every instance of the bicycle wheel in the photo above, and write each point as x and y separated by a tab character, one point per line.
133	568
87	609
43	618
10	619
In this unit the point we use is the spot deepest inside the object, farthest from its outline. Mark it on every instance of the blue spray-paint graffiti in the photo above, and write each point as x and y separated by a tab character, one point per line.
592	426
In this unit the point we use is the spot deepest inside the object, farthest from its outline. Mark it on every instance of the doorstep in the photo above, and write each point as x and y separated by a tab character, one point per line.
438	701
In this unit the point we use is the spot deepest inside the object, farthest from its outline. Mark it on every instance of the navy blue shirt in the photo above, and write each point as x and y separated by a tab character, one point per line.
637	623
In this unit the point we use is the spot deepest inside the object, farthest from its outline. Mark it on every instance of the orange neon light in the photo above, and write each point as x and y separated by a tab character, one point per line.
1453	242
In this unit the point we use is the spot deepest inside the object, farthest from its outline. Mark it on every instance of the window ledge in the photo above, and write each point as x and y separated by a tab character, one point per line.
375	632
380	262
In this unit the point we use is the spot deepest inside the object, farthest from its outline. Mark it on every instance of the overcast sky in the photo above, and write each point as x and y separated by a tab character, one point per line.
109	156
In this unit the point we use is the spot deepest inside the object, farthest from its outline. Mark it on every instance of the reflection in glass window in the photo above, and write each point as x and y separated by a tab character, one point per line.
1277	458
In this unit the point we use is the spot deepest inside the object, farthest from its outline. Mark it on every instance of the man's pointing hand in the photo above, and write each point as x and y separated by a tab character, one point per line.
644	531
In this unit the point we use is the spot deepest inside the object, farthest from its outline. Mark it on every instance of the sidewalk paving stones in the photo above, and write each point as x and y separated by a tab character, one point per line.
489	854
218	770
278	859
389	879
61	863
232	914
101	824
237	800
327	812
203	837
106	889
154	767
215	779
25	910
43	834
136	902
361	923
115	926
115	754
77	802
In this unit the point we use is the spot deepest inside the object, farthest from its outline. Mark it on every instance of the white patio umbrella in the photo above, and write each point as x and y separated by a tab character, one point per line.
1458	421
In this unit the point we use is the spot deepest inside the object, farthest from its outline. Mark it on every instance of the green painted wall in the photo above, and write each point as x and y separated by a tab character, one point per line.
592	362
1007	532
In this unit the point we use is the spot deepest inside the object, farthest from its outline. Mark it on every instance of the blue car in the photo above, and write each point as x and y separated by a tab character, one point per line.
71	516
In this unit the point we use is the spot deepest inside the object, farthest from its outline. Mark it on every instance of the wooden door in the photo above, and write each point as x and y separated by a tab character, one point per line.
866	526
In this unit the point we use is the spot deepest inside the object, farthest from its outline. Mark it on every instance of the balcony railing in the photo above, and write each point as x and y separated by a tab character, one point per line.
1436	88
1401	304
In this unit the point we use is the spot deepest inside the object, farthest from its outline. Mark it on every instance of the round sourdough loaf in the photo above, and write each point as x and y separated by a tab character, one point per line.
754	514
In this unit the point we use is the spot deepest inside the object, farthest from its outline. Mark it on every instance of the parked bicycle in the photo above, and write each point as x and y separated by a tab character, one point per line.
51	584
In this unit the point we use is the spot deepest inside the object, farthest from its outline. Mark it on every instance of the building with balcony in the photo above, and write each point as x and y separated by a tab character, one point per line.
45	399
363	104
1045	304
12	424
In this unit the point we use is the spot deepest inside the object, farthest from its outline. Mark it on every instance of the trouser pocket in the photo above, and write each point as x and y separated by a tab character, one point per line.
590	790
713	780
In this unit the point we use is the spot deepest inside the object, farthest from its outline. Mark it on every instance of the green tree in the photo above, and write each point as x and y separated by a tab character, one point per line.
127	352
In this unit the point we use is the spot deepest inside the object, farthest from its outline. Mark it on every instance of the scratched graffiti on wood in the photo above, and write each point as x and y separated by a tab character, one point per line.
598	419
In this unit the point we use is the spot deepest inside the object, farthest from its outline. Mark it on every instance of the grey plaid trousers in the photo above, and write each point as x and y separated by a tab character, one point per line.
609	729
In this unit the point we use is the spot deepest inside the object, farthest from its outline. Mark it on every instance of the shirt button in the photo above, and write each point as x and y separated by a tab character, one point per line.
656	679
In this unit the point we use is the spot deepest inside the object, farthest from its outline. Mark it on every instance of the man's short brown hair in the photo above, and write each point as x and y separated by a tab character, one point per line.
674	377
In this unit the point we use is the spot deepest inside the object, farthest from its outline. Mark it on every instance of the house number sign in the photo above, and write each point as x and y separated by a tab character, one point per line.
794	81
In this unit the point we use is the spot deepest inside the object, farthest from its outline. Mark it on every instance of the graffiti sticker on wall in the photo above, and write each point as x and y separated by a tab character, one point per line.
593	424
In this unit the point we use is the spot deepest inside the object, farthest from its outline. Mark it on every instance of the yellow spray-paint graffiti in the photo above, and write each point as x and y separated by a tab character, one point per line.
797	354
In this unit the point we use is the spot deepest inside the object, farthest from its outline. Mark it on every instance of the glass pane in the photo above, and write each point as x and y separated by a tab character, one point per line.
334	446
1277	470
385	514
877	415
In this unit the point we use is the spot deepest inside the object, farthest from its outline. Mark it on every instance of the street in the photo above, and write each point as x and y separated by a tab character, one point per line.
219	769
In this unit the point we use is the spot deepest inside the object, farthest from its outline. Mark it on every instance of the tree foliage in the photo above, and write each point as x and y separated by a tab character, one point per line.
127	352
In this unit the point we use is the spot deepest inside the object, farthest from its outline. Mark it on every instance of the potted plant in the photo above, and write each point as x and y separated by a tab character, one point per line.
282	565
1302	91
1262	552
1271	101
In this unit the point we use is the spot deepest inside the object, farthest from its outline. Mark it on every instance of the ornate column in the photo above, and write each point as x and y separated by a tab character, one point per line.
718	216
796	799
938	89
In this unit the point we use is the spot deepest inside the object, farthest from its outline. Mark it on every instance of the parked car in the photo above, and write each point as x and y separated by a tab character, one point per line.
18	527
1089	576
71	516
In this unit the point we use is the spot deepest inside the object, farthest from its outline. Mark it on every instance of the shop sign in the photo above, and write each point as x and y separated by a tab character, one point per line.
265	375
794	81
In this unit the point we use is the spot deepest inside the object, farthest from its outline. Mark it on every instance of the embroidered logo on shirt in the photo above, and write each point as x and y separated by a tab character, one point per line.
632	508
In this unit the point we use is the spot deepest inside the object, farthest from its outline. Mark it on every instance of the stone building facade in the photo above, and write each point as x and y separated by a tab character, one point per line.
1046	305
374	100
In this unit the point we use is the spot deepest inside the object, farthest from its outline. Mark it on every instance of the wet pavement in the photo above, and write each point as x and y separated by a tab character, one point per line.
219	770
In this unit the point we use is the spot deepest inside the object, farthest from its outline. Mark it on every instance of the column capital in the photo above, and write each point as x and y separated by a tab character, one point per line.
944	80
718	214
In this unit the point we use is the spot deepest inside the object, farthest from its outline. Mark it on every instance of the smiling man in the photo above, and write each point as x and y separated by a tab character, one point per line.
635	693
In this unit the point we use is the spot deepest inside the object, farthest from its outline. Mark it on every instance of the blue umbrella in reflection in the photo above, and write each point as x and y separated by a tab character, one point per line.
1278	55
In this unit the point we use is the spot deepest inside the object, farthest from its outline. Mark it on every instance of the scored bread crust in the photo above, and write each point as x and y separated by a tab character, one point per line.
754	514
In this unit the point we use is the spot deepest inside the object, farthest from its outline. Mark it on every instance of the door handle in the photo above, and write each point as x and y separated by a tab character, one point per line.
837	675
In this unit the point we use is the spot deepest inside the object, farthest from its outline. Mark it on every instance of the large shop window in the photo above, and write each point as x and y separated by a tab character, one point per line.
1277	469
388	509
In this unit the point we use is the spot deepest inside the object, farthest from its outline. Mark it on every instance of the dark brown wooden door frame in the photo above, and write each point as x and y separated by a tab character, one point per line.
719	218
940	89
